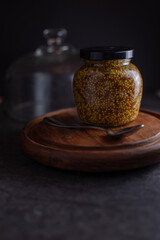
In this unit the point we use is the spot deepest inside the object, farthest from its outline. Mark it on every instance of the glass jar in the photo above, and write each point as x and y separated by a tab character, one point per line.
41	81
108	87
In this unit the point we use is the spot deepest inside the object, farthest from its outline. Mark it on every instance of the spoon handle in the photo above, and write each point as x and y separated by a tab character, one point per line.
56	123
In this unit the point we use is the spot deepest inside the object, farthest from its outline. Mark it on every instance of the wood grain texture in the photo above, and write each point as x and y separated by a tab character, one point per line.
92	150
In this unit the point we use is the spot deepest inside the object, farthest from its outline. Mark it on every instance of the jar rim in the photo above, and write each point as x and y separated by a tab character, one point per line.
106	52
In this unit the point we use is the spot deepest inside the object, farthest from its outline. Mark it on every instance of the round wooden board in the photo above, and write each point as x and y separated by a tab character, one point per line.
92	150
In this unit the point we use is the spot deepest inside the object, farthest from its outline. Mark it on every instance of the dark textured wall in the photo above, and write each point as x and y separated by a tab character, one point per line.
89	23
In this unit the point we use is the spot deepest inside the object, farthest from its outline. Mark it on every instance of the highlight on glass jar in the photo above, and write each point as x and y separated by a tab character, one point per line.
108	87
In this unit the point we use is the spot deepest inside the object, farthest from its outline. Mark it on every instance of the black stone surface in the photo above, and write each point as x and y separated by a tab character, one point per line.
38	202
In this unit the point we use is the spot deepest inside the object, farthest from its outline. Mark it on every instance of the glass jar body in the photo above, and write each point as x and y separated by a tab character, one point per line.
108	92
35	85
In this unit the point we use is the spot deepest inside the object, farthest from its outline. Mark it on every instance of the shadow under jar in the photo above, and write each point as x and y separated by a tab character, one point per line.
108	87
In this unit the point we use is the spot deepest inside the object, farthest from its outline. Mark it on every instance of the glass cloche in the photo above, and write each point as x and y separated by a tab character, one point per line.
41	81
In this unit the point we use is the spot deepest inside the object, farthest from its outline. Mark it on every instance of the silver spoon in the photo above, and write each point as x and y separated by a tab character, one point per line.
114	134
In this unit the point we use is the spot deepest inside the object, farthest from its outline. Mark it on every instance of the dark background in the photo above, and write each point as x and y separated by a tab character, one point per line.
38	202
89	23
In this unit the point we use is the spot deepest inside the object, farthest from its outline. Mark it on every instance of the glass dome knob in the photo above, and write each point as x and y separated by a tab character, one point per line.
55	36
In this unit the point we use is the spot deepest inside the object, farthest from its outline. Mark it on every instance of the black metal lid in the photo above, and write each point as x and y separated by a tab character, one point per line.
106	53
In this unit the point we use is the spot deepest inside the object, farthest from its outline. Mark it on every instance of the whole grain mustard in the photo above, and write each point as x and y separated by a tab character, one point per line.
108	87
